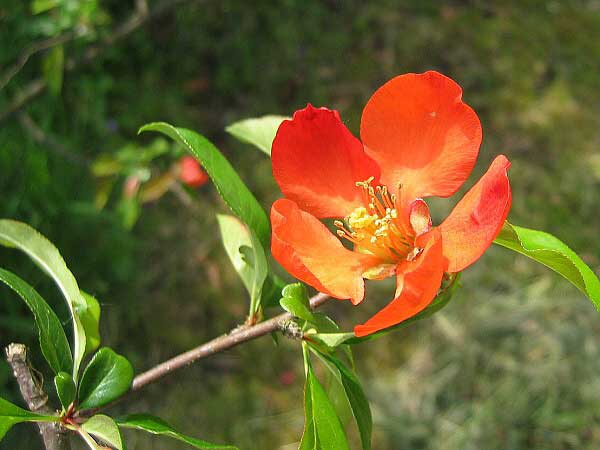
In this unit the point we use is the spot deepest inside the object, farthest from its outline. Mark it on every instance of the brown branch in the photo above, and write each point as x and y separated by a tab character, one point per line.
219	344
136	20
31	386
37	47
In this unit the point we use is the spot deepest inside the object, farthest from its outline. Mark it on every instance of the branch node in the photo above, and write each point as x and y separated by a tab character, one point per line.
291	329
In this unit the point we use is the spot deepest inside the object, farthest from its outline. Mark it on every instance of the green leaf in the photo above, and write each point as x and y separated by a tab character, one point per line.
65	388
247	256
230	186
355	394
46	256
104	428
155	425
259	132
53	341
11	414
53	68
271	290
106	378
90	319
322	429
295	301
553	253
89	440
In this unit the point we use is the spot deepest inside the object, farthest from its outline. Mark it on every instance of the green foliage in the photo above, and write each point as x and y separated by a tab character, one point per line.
106	377
47	257
90	320
259	132
510	362
65	389
247	256
322	427
550	251
155	425
295	301
53	67
359	404
11	414
105	429
230	186
53	341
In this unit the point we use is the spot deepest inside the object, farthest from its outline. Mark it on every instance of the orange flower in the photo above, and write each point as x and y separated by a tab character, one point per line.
418	140
191	173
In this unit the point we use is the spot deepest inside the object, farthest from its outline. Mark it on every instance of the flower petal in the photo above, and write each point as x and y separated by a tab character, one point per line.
477	219
421	133
417	285
317	162
312	254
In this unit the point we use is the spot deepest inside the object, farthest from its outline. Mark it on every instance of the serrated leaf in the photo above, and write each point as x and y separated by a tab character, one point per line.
295	301
105	429
259	131
155	425
53	341
230	186
46	256
65	388
322	429
554	254
355	394
106	378
11	415
247	256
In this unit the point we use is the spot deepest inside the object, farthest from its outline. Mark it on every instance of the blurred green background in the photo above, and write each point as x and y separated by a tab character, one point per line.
512	363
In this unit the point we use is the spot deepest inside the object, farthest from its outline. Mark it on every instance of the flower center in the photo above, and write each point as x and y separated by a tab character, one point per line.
375	228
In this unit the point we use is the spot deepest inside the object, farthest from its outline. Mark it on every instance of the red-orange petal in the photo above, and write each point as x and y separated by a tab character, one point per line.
477	219
421	134
312	254
418	283
317	162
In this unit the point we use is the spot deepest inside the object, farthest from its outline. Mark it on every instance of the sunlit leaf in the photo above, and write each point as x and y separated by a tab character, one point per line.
105	429
230	186
246	254
11	414
90	320
155	425
322	428
46	256
295	301
355	394
106	378
53	341
259	132
553	253
65	388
